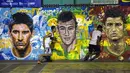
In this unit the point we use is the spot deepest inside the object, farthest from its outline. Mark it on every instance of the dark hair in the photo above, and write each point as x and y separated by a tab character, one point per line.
19	18
53	27
99	26
114	12
66	16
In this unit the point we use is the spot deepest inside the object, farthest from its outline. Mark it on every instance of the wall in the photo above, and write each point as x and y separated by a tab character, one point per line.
44	18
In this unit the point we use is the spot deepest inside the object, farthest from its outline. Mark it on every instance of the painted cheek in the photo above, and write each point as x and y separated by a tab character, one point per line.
14	37
72	32
108	32
27	37
62	31
107	27
121	27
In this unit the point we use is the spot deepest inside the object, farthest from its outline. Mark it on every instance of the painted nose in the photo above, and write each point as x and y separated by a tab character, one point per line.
113	28
20	37
66	32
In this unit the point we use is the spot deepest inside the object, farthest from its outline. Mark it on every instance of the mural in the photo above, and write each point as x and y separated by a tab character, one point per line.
124	2
88	18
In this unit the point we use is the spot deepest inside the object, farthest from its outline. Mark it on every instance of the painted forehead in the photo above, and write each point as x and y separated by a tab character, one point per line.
116	19
67	22
20	27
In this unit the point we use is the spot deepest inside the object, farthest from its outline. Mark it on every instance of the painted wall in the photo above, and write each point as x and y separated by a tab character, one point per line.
43	18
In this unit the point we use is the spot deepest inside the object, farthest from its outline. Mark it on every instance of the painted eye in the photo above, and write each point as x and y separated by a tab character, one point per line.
109	24
15	31
71	28
118	24
62	28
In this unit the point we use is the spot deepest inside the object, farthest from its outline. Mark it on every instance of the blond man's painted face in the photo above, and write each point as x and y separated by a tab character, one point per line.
20	35
67	31
114	28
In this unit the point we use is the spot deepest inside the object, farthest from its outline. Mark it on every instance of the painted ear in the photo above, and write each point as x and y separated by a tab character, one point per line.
125	27
57	30
104	27
9	32
32	33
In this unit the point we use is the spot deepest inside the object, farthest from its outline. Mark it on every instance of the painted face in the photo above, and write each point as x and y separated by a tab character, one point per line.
114	28
20	35
67	31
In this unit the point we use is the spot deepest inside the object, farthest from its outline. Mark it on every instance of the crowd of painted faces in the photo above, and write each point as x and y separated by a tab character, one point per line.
68	47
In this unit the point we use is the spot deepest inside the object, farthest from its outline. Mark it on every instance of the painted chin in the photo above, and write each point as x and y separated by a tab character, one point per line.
67	41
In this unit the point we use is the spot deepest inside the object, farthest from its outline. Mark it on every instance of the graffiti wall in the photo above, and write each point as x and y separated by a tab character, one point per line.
19	43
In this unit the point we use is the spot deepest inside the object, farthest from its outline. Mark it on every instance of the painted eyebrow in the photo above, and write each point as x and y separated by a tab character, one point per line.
61	27
70	26
15	30
24	32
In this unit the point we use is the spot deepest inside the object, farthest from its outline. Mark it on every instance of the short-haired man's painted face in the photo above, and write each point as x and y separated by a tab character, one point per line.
20	35
114	28
67	31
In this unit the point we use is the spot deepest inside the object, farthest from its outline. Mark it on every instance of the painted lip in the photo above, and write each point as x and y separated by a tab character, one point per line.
20	44
67	38
114	34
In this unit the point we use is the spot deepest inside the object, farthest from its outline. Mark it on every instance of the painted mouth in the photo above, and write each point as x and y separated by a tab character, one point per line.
20	44
114	34
67	38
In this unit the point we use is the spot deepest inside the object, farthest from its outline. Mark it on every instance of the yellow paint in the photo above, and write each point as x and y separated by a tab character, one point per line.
125	0
23	10
127	26
72	55
128	41
5	43
52	22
